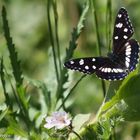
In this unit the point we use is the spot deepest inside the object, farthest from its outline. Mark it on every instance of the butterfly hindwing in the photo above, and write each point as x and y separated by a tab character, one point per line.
131	54
103	67
123	30
111	71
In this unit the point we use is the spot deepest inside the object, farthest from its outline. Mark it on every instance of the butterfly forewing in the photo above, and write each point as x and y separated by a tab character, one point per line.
123	30
86	65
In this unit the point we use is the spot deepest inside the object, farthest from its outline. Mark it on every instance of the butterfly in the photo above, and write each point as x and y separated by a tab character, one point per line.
118	63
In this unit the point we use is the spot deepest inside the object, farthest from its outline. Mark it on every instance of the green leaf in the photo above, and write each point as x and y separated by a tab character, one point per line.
23	99
111	98
15	129
130	93
4	112
76	32
11	48
126	100
2	75
80	120
114	94
70	50
46	93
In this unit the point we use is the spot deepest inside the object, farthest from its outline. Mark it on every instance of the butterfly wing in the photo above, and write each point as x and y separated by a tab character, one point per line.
111	71
128	58
126	51
129	55
123	30
103	67
86	65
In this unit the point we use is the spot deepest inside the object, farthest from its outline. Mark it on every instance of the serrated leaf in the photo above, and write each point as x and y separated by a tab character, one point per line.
11	48
2	76
76	32
70	50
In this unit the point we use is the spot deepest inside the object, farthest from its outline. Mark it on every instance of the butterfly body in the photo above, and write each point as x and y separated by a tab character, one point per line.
120	62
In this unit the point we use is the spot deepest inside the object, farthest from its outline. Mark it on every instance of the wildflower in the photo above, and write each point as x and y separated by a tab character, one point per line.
58	120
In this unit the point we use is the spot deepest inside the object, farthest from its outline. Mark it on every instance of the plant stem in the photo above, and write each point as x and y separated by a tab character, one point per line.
56	33
108	23
76	134
52	39
65	99
98	39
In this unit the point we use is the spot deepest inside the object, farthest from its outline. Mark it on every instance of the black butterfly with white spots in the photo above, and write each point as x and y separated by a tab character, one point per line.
120	62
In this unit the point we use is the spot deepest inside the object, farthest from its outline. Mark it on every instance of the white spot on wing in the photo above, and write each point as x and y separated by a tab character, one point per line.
128	49
125	30
93	59
102	69
125	37
119	70
127	64
94	67
128	46
81	62
105	70
86	67
119	25
71	62
109	69
127	59
115	70
116	37
127	53
119	15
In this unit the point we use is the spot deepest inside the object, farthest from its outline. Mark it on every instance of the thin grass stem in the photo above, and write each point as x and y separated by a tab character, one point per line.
79	137
52	39
108	24
70	92
56	34
98	39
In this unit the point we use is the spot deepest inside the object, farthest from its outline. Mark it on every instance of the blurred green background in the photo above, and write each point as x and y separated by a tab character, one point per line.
29	29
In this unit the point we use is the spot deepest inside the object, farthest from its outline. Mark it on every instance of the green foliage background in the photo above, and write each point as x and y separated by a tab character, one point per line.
29	30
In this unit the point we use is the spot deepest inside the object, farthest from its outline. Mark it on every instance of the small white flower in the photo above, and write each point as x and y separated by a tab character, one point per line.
58	120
